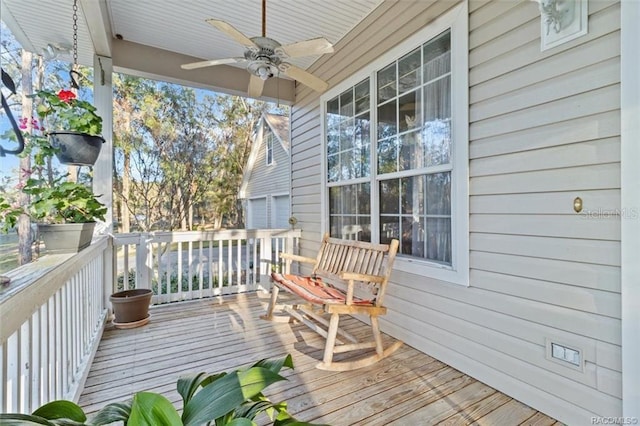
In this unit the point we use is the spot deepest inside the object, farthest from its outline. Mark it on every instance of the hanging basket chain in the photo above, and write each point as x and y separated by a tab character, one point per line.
74	82
75	32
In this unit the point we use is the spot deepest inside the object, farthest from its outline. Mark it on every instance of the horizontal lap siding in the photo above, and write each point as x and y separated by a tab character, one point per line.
269	179
544	129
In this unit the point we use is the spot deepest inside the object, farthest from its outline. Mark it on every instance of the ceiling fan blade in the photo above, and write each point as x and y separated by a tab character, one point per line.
304	77
314	46
232	32
211	63
255	86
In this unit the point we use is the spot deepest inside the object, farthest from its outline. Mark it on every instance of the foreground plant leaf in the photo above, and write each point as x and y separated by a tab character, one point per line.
61	410
152	409
225	394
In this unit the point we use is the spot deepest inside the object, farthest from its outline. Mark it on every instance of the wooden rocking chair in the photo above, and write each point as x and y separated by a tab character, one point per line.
330	290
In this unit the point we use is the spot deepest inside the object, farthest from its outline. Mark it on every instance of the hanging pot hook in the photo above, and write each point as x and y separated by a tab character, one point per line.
74	82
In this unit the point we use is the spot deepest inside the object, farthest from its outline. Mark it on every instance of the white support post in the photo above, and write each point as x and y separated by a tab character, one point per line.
103	170
630	214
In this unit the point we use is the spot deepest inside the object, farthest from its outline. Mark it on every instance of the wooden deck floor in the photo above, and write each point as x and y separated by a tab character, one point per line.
408	388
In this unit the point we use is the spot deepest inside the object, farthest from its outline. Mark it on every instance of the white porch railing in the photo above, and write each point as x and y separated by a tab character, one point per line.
53	314
196	264
54	310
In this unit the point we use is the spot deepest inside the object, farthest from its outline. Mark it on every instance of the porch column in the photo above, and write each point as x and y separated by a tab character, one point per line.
630	214
103	170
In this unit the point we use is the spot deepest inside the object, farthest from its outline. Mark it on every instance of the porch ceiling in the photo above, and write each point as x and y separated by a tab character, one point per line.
157	29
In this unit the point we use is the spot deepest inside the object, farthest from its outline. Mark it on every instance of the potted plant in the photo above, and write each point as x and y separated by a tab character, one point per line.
72	126
131	307
233	398
65	211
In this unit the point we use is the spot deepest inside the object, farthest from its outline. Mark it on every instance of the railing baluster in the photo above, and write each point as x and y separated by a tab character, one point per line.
34	365
210	267
200	271
190	253
180	272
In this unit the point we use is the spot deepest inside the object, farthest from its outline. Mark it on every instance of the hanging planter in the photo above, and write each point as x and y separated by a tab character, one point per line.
75	148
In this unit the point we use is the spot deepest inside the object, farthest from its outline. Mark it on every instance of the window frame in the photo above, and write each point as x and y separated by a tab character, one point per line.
456	20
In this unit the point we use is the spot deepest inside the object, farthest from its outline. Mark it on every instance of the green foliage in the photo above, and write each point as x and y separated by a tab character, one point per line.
231	399
63	111
63	202
53	199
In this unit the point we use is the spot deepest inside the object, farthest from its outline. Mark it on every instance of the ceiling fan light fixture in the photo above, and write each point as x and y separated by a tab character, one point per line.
264	72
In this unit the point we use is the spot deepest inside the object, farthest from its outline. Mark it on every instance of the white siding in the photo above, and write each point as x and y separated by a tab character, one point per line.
544	129
266	180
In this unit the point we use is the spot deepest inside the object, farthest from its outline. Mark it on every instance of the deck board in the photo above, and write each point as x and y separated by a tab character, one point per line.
220	334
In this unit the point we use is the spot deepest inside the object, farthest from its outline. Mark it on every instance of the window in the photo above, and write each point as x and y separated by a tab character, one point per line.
348	160
396	152
269	138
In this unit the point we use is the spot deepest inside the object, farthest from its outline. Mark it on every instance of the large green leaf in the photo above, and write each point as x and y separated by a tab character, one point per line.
61	410
115	412
251	409
22	420
275	365
227	393
240	421
189	384
152	409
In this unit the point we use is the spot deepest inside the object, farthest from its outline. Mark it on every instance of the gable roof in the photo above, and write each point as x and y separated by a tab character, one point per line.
279	125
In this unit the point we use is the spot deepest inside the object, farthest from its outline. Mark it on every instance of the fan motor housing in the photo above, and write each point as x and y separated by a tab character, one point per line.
263	57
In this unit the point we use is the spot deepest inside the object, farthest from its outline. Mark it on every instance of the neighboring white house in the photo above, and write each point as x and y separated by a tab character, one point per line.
266	182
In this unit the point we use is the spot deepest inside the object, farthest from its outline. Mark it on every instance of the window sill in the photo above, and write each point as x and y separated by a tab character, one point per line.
432	270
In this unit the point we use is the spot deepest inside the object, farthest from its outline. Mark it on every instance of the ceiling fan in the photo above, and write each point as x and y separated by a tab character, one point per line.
265	57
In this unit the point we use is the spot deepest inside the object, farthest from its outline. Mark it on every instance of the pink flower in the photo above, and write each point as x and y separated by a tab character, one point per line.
23	123
20	186
66	95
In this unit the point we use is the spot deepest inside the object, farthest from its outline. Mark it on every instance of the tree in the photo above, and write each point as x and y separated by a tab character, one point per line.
180	153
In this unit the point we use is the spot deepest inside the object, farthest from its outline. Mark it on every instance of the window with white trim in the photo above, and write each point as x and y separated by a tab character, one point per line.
396	154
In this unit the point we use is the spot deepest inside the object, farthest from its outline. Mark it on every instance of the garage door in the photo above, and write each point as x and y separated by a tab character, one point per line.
280	212
257	214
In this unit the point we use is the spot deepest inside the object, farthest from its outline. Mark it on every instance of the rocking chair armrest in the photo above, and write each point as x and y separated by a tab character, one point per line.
296	258
354	276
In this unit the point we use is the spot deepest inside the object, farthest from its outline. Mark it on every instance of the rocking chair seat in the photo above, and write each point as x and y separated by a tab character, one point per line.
315	291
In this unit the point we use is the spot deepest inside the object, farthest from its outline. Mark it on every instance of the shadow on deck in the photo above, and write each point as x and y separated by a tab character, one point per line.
407	388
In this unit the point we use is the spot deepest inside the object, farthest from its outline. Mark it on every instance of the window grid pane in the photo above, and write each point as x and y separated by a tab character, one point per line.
348	134
414	133
350	211
417	211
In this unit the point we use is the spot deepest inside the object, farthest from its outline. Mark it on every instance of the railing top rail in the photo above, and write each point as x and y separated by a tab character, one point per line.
33	284
195	236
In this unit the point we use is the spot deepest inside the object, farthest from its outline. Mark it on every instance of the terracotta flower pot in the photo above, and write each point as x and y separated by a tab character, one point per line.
131	307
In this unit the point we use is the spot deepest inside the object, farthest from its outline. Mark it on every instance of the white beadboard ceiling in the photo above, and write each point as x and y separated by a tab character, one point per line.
179	25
